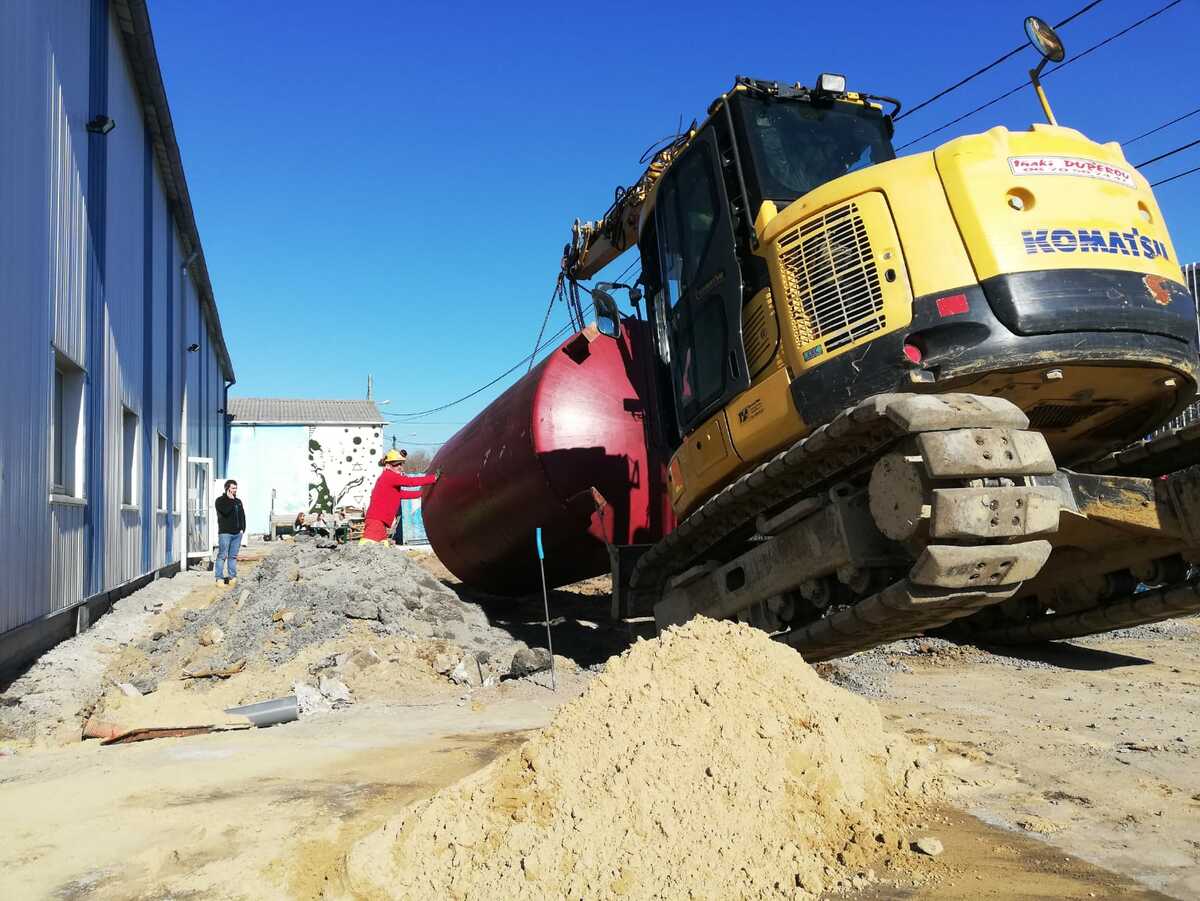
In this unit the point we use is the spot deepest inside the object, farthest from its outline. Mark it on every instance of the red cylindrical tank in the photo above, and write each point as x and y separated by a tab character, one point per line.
568	449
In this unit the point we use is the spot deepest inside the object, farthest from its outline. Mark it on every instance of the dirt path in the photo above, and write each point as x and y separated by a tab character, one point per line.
260	814
983	861
270	814
1081	758
1092	746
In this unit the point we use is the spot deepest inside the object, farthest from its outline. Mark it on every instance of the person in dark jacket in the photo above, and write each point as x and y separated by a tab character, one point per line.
231	524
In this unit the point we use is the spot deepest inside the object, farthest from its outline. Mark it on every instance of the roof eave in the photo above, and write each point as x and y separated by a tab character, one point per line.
134	20
340	422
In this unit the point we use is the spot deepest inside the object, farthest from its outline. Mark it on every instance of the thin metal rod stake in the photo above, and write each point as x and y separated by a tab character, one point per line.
546	607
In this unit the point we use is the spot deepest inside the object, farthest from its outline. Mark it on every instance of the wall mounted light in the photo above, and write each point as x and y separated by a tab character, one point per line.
192	348
101	125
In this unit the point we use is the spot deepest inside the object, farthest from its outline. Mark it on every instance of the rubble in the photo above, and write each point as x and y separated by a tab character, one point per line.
362	610
309	700
50	700
303	595
527	661
928	845
335	691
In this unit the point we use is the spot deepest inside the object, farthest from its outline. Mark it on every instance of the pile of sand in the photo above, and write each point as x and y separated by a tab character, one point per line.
711	762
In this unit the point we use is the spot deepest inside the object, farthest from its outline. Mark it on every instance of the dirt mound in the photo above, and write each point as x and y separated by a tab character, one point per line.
711	762
304	595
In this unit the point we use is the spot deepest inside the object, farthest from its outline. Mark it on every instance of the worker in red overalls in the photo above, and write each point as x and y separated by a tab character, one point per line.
387	494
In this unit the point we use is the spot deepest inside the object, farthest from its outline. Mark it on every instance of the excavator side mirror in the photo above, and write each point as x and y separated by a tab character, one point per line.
608	319
1045	39
1047	42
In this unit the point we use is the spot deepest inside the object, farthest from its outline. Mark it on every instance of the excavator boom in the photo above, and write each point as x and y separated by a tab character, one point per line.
595	244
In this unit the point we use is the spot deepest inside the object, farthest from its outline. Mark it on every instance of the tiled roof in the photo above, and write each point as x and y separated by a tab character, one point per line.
293	411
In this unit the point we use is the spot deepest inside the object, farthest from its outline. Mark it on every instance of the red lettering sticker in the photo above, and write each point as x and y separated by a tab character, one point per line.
1069	165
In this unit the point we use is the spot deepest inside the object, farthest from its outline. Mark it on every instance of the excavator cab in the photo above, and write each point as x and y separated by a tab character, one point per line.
795	266
763	143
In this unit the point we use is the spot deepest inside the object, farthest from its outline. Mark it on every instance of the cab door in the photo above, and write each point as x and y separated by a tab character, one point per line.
701	284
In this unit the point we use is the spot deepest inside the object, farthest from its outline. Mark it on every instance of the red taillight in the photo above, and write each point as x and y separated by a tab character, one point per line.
952	305
913	353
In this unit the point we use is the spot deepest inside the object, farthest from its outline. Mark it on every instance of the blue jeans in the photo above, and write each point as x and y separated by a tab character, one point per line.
227	551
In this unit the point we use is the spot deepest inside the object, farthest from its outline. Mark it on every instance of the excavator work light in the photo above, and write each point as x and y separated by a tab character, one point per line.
828	83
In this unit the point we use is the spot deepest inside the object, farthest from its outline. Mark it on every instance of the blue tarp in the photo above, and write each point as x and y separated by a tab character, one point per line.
412	524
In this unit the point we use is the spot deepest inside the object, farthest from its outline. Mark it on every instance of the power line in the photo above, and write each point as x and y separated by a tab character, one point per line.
1147	134
558	286
1046	74
1011	53
410	416
422	422
1173	177
1163	156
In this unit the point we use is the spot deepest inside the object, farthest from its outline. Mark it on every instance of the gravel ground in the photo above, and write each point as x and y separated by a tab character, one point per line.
304	594
869	673
309	593
52	695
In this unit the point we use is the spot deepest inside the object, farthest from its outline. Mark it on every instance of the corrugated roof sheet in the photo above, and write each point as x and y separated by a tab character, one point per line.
298	411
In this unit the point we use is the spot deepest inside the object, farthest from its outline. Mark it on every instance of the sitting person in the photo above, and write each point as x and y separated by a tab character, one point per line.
341	526
300	526
320	526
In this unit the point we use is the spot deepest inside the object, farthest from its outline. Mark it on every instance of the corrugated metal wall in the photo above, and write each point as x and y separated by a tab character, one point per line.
123	293
27	67
90	259
69	248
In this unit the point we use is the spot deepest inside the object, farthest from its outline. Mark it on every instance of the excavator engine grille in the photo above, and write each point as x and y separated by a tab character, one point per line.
757	335
831	281
1062	416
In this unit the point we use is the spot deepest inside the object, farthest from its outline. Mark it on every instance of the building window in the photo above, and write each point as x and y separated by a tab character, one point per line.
58	476
162	472
129	429
175	475
65	418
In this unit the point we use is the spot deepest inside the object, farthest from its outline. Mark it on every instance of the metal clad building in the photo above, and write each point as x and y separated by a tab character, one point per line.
104	289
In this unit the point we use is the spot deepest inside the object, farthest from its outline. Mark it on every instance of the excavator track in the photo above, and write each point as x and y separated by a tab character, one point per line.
847	448
1143	608
1168	450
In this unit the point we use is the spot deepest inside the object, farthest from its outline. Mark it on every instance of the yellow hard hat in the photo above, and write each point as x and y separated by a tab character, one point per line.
393	456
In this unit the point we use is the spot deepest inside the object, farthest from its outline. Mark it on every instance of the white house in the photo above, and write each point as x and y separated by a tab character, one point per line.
291	455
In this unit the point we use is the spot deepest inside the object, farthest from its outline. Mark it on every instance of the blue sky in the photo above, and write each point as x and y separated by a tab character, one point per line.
386	189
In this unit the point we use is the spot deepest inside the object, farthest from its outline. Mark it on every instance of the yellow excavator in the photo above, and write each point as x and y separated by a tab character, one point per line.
906	391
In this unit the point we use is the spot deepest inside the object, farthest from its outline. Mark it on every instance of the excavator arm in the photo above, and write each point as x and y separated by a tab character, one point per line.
595	244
